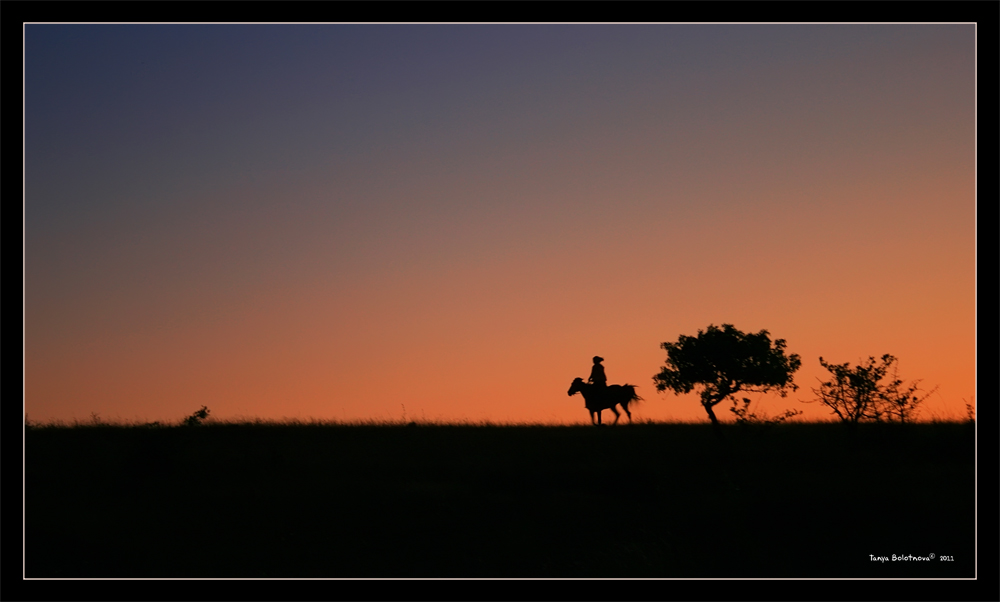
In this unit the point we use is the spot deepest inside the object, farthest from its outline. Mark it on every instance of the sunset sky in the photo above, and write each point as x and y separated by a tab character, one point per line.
342	221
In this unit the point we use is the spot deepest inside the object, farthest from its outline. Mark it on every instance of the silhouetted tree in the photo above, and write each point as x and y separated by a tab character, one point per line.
858	394
724	362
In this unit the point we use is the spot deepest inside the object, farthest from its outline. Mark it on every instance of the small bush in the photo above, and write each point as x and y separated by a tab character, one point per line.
745	416
196	418
860	393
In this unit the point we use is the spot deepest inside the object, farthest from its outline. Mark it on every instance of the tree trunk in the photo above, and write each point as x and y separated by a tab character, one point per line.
711	414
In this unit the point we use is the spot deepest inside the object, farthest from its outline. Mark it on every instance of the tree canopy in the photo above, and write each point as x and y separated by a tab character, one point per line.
725	361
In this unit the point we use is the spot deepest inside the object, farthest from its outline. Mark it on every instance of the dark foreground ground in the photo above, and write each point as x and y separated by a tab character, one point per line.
808	500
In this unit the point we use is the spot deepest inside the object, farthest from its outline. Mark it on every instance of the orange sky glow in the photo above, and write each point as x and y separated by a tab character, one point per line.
450	221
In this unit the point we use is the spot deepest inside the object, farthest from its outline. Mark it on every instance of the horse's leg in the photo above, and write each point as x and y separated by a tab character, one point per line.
599	412
592	417
617	415
627	413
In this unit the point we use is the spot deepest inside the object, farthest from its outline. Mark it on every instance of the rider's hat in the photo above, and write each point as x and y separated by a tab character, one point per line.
598	358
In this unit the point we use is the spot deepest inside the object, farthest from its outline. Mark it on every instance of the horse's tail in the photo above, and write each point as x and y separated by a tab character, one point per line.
632	395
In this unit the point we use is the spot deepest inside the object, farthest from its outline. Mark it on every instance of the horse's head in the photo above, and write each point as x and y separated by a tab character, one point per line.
576	387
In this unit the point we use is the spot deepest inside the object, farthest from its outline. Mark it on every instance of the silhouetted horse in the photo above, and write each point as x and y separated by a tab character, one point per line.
597	400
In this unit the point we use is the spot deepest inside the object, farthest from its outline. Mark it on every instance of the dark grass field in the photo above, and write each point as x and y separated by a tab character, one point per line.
651	500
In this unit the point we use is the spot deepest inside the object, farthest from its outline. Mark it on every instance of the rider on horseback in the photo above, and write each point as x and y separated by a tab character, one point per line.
597	376
598	396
